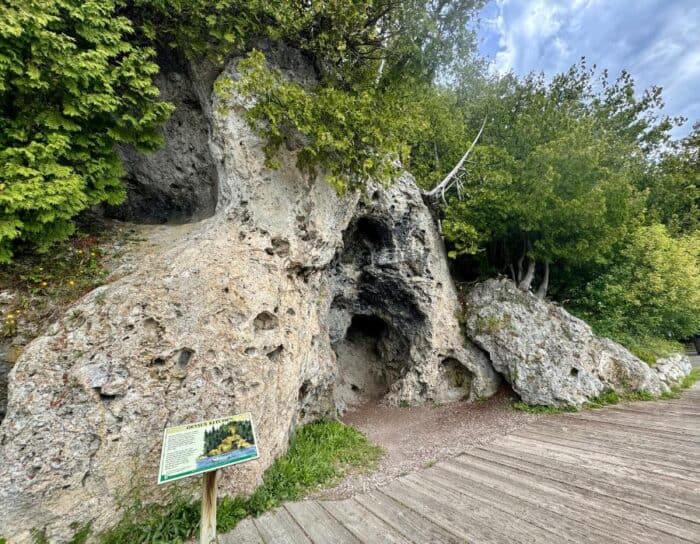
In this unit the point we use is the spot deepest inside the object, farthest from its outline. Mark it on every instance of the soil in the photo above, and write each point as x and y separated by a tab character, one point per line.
417	437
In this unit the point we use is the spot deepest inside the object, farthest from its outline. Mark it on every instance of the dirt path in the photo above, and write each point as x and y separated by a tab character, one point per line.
418	437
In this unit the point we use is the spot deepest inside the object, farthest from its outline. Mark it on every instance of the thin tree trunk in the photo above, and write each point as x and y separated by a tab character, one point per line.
529	276
442	187
521	260
542	289
512	272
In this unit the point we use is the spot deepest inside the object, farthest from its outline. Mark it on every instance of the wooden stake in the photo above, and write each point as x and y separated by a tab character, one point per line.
207	525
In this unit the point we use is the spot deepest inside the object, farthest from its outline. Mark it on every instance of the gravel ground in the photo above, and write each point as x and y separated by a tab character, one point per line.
416	437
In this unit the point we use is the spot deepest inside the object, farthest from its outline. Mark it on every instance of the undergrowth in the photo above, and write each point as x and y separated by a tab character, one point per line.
319	454
613	397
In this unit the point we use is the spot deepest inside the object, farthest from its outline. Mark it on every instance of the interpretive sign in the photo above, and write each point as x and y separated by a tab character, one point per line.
208	445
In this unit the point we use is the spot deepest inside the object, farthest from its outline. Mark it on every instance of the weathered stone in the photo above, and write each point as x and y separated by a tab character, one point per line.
177	183
671	370
238	312
549	356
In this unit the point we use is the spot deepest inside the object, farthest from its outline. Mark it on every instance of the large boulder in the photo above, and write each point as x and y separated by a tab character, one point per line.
244	311
549	356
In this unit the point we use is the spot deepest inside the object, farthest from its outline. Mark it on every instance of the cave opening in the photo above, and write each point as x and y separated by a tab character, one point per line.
374	315
367	362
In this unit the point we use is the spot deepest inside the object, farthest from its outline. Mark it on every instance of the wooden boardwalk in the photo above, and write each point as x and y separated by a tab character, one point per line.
628	473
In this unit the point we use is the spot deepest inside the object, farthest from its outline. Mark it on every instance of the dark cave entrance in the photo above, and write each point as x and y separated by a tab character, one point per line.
362	376
374	314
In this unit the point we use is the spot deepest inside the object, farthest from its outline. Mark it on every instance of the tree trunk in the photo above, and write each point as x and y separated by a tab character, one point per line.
542	289
526	282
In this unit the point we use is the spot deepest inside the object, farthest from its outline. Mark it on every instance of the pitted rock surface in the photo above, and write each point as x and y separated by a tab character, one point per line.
243	311
549	356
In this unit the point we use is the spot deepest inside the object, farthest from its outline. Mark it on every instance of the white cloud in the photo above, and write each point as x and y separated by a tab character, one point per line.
658	41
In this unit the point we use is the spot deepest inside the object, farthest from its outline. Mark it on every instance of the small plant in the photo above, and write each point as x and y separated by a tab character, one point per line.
81	536
542	409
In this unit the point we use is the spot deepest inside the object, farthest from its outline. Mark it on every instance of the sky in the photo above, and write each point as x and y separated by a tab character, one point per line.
657	41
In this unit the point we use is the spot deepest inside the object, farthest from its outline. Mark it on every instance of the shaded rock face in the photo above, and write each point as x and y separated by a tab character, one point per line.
394	305
546	354
260	308
177	183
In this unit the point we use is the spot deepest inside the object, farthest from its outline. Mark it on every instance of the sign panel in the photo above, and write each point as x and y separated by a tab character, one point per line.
208	445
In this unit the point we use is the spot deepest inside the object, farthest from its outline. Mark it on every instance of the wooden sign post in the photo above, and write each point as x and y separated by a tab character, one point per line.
207	525
203	448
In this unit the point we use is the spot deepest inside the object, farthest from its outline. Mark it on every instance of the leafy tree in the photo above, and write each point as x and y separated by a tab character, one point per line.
71	85
553	178
651	290
674	187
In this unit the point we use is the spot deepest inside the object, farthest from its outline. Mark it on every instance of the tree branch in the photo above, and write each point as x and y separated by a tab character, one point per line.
450	179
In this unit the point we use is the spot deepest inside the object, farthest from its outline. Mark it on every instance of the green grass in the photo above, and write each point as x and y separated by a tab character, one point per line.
319	455
687	382
540	409
613	397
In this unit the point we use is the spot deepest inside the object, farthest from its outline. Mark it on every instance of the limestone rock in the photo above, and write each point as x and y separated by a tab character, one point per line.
549	356
243	311
671	370
178	182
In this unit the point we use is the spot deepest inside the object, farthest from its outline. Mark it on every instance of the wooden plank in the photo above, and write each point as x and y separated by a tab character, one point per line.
408	522
363	524
662	473
615	483
664	422
554	528
591	432
458	522
319	526
244	533
566	505
597	502
483	512
278	527
637	427
621	445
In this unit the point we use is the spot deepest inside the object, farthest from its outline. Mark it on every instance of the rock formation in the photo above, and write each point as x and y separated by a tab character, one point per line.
549	356
243	311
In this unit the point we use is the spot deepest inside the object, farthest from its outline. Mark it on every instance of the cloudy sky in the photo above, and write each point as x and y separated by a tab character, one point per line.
658	41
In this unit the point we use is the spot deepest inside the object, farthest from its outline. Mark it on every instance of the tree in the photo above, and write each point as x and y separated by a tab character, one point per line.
71	85
652	289
553	179
674	186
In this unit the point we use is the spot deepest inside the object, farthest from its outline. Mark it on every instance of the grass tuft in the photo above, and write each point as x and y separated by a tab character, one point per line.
319	454
543	409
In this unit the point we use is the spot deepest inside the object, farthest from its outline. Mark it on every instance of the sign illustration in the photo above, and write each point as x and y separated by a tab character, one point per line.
208	445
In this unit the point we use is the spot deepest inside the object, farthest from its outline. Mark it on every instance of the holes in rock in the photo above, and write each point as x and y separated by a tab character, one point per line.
574	372
275	354
184	357
265	321
290	311
279	247
250	351
157	361
104	397
457	378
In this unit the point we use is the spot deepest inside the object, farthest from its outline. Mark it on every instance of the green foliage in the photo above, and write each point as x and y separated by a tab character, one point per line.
539	409
674	189
651	291
354	136
554	175
81	536
318	455
71	85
